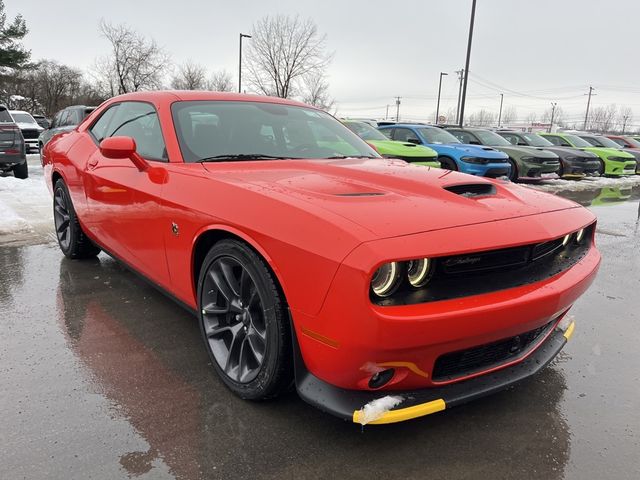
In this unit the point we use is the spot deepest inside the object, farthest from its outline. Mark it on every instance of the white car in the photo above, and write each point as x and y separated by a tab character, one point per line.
29	127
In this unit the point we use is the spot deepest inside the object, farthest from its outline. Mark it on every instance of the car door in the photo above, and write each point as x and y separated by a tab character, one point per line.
124	203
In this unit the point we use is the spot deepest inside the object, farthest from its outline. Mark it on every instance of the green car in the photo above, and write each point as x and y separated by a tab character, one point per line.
409	152
527	163
614	162
612	196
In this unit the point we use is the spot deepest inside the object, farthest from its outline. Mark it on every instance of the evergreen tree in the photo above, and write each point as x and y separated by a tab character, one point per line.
12	53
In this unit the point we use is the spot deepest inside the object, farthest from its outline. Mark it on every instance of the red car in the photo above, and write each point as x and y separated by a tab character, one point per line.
386	291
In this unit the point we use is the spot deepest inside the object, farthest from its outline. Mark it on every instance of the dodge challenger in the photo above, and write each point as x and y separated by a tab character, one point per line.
382	290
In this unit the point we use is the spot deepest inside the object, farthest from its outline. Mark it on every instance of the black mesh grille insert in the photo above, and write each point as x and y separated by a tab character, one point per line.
483	357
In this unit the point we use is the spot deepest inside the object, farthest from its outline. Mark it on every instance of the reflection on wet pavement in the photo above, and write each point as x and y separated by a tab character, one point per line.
103	377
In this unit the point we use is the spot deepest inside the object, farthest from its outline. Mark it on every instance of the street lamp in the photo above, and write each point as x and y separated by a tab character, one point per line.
553	113
500	114
439	90
242	35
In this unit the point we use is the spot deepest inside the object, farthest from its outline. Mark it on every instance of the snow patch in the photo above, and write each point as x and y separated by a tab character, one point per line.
565	322
10	222
377	408
589	183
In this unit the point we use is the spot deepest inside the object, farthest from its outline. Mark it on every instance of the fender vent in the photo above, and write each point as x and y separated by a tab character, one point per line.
472	189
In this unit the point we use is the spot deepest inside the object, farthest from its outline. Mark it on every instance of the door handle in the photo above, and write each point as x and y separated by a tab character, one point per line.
92	163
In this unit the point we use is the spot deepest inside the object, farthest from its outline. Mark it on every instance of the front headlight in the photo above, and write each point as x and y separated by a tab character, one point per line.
386	279
475	160
419	272
580	236
566	240
527	159
618	159
570	158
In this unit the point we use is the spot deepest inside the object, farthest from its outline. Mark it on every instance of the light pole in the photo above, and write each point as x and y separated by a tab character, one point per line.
398	109
586	115
466	66
553	114
442	74
460	77
242	35
500	114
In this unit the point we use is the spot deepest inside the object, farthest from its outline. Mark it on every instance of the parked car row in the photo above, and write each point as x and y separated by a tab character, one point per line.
520	156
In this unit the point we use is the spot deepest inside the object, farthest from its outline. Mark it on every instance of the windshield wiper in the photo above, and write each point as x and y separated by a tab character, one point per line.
340	157
241	157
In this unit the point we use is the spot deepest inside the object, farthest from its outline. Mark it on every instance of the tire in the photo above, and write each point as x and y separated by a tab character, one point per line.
560	171
72	240
513	174
244	322
601	168
21	170
448	164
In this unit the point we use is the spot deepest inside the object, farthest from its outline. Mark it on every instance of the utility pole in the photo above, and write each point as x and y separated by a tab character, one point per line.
439	90
386	115
398	109
553	114
624	122
500	114
466	66
242	35
460	77
586	115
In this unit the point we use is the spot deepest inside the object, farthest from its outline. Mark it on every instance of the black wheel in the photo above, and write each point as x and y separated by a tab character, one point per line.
448	164
21	170
72	240
601	168
560	171
244	322
513	173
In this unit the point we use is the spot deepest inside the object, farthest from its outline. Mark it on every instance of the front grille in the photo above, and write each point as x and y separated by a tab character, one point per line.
466	362
30	134
496	172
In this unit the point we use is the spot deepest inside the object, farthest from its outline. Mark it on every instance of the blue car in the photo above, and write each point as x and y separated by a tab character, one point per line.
453	155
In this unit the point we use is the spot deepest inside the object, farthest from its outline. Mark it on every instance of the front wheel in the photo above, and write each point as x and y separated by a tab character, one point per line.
601	168
513	173
72	240
244	322
448	164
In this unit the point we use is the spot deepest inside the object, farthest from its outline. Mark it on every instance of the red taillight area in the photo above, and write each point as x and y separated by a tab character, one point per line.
12	151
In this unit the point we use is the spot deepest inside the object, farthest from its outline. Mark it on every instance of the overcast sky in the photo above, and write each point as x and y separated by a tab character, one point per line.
533	52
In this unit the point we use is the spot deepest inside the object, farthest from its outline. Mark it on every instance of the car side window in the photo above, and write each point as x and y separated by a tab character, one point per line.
65	118
465	137
56	119
620	142
100	128
512	139
138	120
406	135
388	132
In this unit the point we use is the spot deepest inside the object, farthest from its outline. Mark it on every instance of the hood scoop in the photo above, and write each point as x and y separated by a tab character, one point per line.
471	190
359	194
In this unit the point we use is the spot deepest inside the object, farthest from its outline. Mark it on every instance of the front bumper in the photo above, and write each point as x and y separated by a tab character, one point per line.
580	167
349	404
531	170
620	168
490	170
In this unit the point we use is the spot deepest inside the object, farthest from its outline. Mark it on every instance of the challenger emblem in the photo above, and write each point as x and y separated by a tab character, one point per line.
174	229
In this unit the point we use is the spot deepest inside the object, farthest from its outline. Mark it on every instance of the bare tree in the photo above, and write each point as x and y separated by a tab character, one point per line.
558	115
221	82
532	118
482	118
316	91
602	119
282	53
625	117
509	115
134	63
190	76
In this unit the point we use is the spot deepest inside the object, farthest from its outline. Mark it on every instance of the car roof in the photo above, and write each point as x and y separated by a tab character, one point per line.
19	111
202	95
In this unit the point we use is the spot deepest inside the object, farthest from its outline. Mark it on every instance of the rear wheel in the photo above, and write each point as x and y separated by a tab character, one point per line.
244	322
21	170
72	240
448	163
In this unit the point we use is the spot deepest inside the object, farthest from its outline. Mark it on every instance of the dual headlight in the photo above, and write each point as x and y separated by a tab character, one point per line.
390	276
618	159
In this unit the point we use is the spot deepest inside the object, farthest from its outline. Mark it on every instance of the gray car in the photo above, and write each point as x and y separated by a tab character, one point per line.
13	157
65	121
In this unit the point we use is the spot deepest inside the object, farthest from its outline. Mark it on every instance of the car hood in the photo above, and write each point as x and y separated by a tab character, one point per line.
570	151
613	152
517	152
387	197
470	150
29	126
391	147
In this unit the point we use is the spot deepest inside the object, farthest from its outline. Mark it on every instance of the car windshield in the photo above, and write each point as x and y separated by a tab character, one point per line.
22	118
234	131
365	131
577	141
602	142
536	140
437	136
633	142
491	138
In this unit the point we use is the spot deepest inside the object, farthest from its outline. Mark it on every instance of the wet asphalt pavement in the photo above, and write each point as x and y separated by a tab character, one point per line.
103	377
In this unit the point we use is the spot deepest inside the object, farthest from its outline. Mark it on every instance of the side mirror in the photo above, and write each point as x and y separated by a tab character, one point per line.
415	141
123	147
